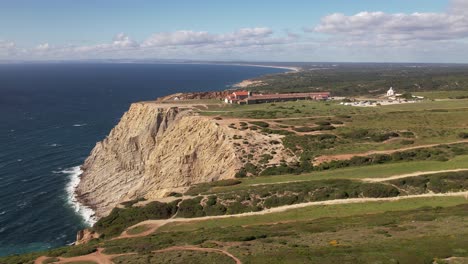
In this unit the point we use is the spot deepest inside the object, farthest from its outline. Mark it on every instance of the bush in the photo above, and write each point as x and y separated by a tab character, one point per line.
242	173
407	142
191	208
379	191
304	129
323	123
260	123
121	218
463	135
228	182
275	201
407	134
132	202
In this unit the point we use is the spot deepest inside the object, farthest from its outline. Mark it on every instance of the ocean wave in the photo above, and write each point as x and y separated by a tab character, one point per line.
22	204
80	125
85	212
54	145
2	212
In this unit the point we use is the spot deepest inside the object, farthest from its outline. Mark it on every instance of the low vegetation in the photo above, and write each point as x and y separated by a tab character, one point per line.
121	218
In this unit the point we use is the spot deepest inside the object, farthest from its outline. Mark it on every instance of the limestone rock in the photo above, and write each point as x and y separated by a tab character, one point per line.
154	149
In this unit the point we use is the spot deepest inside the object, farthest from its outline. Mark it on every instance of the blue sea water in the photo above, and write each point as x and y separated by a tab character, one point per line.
51	116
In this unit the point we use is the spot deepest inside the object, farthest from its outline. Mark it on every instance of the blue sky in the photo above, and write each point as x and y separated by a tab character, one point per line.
331	30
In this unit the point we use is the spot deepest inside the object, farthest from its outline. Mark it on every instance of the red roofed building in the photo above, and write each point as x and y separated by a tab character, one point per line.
268	98
245	97
236	96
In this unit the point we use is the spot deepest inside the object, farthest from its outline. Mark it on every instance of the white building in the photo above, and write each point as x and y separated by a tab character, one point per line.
390	92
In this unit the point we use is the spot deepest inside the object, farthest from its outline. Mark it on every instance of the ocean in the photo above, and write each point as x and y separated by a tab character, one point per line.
52	115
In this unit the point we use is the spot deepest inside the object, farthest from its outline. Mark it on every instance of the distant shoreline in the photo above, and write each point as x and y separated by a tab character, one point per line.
290	68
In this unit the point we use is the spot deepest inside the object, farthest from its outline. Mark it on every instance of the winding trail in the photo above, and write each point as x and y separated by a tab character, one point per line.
96	257
414	174
327	158
156	224
200	249
379	179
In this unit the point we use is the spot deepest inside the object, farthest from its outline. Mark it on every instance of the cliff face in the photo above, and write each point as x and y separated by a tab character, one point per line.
154	149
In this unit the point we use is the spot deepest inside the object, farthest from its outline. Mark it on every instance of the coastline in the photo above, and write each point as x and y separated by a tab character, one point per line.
85	212
290	68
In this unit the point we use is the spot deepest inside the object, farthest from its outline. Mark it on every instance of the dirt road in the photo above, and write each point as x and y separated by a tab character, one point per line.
327	158
414	174
201	249
155	224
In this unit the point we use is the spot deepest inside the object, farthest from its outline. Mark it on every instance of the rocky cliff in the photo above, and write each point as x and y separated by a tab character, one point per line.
155	149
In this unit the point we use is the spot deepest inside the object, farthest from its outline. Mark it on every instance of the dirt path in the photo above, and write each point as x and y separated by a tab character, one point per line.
97	257
380	179
155	224
415	174
328	158
151	229
201	249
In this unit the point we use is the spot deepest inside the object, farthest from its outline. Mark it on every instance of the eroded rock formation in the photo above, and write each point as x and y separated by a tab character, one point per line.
155	149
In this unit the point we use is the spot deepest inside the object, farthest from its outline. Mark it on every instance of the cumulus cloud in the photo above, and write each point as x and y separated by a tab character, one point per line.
124	41
42	47
188	43
7	48
242	37
380	26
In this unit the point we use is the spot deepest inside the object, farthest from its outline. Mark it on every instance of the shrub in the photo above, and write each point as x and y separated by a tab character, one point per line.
260	123
174	194
463	135
407	142
132	202
121	218
242	173
323	123
237	208
379	190
304	129
407	134
191	208
228	182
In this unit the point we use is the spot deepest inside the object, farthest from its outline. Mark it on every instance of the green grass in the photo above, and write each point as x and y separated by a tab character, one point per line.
137	230
175	257
431	122
374	171
315	212
284	110
413	234
442	94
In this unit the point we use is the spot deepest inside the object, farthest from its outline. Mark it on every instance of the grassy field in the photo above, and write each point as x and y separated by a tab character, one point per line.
315	212
374	171
443	94
175	257
358	129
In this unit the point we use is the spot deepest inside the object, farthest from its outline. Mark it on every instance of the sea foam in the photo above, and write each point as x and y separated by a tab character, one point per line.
85	212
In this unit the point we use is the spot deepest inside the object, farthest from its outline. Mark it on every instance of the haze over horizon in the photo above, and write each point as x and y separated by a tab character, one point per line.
334	31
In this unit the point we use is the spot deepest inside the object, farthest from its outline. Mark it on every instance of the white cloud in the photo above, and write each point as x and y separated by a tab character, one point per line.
7	48
380	26
365	36
124	41
242	43
242	37
42	47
